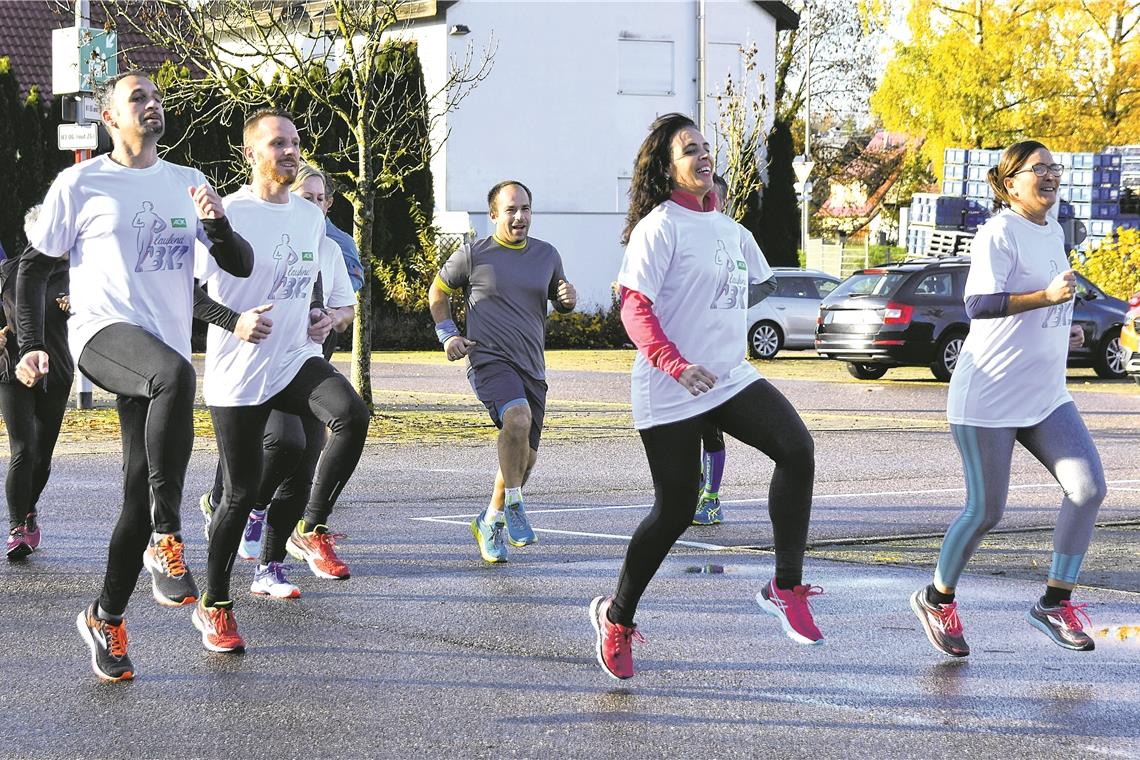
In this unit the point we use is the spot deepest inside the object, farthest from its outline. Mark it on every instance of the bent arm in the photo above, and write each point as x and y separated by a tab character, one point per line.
233	254
31	288
211	312
644	329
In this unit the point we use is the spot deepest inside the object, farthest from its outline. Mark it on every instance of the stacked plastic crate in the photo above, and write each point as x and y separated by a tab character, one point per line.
1091	185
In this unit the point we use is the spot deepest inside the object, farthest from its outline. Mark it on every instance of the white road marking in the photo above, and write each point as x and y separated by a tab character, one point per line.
465	518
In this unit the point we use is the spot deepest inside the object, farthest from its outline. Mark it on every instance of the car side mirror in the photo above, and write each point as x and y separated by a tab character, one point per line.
1089	295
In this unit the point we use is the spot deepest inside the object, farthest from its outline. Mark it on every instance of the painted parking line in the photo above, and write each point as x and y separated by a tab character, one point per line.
465	518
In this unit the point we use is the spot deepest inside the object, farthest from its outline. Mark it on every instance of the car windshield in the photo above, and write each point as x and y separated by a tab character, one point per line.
873	283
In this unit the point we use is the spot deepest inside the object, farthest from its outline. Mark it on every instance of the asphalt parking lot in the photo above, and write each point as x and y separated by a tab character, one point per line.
426	651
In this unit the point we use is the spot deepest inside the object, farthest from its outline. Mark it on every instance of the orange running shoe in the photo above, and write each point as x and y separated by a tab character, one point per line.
170	581
108	644
316	549
218	627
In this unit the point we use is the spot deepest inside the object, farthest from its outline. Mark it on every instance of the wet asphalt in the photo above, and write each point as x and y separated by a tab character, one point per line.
427	652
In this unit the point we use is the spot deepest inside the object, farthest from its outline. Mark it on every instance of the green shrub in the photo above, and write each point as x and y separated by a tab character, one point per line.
1112	264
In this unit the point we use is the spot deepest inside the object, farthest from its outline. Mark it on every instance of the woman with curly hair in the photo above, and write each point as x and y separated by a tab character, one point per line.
684	281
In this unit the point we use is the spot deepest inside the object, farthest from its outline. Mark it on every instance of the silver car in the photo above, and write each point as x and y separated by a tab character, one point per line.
786	319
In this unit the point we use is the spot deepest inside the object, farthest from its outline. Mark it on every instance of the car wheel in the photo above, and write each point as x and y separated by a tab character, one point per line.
764	340
866	371
1109	360
946	355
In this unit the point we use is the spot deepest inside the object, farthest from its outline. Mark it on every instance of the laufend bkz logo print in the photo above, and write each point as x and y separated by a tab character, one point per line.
157	252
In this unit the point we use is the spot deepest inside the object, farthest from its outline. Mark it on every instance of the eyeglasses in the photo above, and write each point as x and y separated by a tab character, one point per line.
1042	169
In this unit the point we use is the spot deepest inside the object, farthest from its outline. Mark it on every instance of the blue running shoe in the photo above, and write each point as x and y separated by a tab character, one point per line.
490	538
708	510
252	536
519	532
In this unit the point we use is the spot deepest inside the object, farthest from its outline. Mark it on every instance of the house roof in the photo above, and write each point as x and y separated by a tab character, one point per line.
25	37
786	18
884	153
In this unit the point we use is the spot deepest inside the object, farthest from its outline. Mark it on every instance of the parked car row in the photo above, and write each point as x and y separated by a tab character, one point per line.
913	314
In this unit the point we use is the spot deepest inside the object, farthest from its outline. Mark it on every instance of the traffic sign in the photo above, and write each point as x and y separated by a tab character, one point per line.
82	58
81	109
78	136
802	167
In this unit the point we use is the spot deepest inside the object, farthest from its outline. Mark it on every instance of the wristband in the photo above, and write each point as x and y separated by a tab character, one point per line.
446	330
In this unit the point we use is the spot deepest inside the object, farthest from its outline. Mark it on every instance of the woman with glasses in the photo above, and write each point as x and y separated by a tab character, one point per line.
1009	387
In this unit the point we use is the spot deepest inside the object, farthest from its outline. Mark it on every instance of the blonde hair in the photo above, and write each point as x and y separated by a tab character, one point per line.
304	172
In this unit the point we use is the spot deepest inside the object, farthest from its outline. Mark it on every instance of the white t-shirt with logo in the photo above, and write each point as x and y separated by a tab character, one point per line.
1011	372
695	267
131	234
286	240
334	276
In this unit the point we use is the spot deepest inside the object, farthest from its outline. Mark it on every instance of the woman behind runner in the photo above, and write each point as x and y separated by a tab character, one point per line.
292	444
709	510
1009	386
32	415
684	282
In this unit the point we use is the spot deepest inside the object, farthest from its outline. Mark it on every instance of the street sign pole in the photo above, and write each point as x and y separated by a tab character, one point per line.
83	386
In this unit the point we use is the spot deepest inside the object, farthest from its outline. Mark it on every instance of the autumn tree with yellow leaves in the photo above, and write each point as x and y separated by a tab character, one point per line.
986	73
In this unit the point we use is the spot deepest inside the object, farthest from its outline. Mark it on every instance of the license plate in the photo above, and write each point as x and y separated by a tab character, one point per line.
851	317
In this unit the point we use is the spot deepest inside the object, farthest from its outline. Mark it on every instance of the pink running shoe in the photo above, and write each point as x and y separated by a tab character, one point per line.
792	609
614	642
23	539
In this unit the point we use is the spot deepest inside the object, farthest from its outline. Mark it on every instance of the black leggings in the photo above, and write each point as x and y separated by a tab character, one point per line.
759	416
33	417
317	392
292	447
154	385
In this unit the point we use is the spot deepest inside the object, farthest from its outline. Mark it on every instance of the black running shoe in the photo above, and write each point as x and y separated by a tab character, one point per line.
171	582
108	645
1063	624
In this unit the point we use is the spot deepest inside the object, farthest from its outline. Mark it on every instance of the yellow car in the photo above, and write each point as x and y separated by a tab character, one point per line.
1130	339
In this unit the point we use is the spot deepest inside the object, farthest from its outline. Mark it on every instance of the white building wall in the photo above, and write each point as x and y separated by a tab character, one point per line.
551	114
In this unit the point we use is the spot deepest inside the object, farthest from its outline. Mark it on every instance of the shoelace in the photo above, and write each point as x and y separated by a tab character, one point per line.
626	634
116	638
802	594
253	528
277	570
947	615
497	533
222	618
1071	615
170	549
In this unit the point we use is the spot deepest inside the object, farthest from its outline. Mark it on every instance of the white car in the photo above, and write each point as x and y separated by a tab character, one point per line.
786	319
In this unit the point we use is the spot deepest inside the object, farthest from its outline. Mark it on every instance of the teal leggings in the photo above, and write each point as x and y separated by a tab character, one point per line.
1062	443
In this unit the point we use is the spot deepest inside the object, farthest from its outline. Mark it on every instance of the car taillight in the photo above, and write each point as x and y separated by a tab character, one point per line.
1134	301
897	313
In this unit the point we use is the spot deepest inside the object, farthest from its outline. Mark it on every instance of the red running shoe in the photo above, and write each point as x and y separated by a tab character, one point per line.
792	609
614	642
218	627
315	548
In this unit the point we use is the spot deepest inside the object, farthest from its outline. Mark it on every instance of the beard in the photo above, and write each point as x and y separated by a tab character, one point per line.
271	173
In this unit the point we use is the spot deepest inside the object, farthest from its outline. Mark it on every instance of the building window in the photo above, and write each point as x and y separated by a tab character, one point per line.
645	67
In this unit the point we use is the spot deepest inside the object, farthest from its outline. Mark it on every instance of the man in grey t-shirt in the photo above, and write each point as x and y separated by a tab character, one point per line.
506	280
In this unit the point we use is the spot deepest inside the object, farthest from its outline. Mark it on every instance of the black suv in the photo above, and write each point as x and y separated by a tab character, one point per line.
913	314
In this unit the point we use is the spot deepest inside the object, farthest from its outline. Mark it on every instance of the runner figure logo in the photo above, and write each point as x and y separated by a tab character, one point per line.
731	280
155	251
289	281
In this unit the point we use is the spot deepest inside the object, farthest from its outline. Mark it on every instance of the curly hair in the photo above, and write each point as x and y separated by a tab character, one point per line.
1011	160
651	184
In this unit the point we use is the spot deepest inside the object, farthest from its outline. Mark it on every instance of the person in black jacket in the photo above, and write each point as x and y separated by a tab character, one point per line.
32	415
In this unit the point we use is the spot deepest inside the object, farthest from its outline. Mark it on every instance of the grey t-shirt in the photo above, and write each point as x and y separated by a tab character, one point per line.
505	291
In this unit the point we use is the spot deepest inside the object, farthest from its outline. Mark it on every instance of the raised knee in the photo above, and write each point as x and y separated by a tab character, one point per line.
176	377
1088	495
